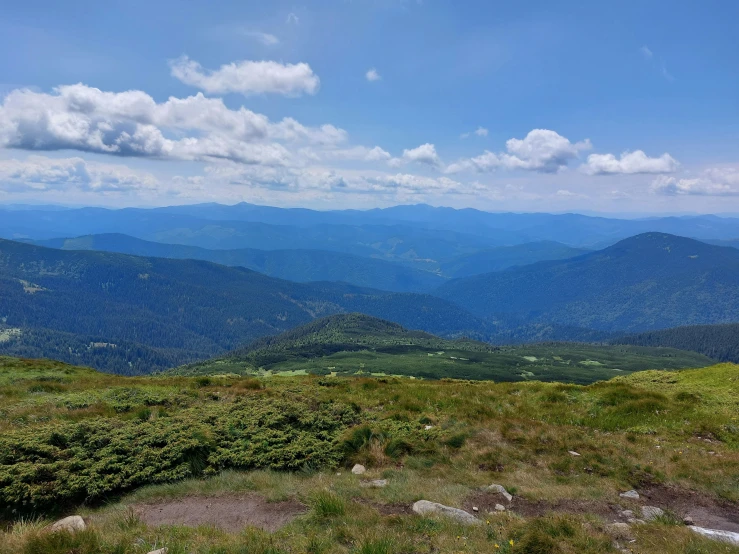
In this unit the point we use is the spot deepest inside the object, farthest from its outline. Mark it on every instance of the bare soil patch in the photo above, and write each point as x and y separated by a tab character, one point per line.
230	513
706	511
485	501
395	509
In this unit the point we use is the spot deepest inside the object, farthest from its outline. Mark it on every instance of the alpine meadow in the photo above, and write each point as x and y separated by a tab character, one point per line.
369	277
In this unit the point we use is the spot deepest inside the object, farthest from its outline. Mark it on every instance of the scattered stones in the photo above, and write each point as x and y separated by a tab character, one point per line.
375	483
500	508
715	534
359	469
649	513
630	494
424	507
687	520
573	453
501	489
70	524
628	514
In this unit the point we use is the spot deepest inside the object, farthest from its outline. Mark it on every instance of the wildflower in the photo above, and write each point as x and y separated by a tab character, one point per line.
497	546
510	542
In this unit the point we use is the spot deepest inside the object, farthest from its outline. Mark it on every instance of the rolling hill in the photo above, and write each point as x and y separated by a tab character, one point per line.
293	265
649	281
357	344
189	308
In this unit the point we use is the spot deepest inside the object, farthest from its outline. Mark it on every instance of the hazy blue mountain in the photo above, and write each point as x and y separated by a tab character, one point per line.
503	257
650	281
188	307
293	265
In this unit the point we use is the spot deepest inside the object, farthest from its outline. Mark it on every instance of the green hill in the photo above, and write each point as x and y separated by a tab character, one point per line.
185	309
356	344
650	281
293	265
720	342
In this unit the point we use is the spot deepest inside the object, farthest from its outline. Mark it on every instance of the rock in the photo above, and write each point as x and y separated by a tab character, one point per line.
375	483
724	536
428	427
475	509
687	520
358	469
500	507
70	524
649	513
424	507
621	531
634	521
160	551
628	514
501	490
573	453
630	494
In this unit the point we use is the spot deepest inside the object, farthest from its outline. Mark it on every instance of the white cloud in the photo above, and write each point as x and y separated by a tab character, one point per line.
265	38
541	150
247	77
480	132
629	163
425	154
646	52
713	182
40	173
131	123
292	19
372	75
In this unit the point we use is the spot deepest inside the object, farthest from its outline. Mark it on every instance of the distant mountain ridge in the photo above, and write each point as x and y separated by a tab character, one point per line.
649	281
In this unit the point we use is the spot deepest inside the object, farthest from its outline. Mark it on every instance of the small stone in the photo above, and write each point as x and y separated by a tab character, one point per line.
573	453
621	530
70	524
650	513
160	551
501	490
630	494
628	514
634	521
358	469
475	509
429	427
500	508
687	520
375	483
424	507
338	475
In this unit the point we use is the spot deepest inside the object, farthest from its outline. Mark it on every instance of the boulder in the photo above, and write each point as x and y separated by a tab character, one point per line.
501	490
358	469
724	536
649	513
70	524
621	531
424	507
630	494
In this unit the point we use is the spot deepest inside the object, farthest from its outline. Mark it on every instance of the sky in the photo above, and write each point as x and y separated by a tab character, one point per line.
614	107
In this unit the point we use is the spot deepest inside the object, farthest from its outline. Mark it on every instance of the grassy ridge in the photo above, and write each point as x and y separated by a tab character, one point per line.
356	344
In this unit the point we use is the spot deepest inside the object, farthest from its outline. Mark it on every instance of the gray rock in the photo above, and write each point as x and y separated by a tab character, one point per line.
724	536
649	513
160	551
687	520
424	507
500	507
573	453
71	524
621	531
630	494
628	514
358	469
375	483
501	490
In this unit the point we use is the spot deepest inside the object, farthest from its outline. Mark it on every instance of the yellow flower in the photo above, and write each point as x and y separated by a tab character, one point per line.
510	542
497	546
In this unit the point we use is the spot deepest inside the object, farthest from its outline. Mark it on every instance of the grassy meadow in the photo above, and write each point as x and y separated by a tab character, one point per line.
73	440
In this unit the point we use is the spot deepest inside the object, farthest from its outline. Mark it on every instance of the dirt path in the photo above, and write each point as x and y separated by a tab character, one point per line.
230	513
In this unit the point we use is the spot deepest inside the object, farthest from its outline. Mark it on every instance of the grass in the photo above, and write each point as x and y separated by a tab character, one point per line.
437	440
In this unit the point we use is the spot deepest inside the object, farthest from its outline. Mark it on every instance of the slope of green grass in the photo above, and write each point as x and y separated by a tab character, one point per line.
356	344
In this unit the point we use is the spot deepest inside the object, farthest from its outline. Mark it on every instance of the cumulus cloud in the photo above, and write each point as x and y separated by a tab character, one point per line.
131	123
40	173
713	182
541	150
424	154
480	132
372	75
629	163
247	77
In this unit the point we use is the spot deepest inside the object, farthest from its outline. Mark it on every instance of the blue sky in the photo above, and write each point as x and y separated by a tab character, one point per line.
535	106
